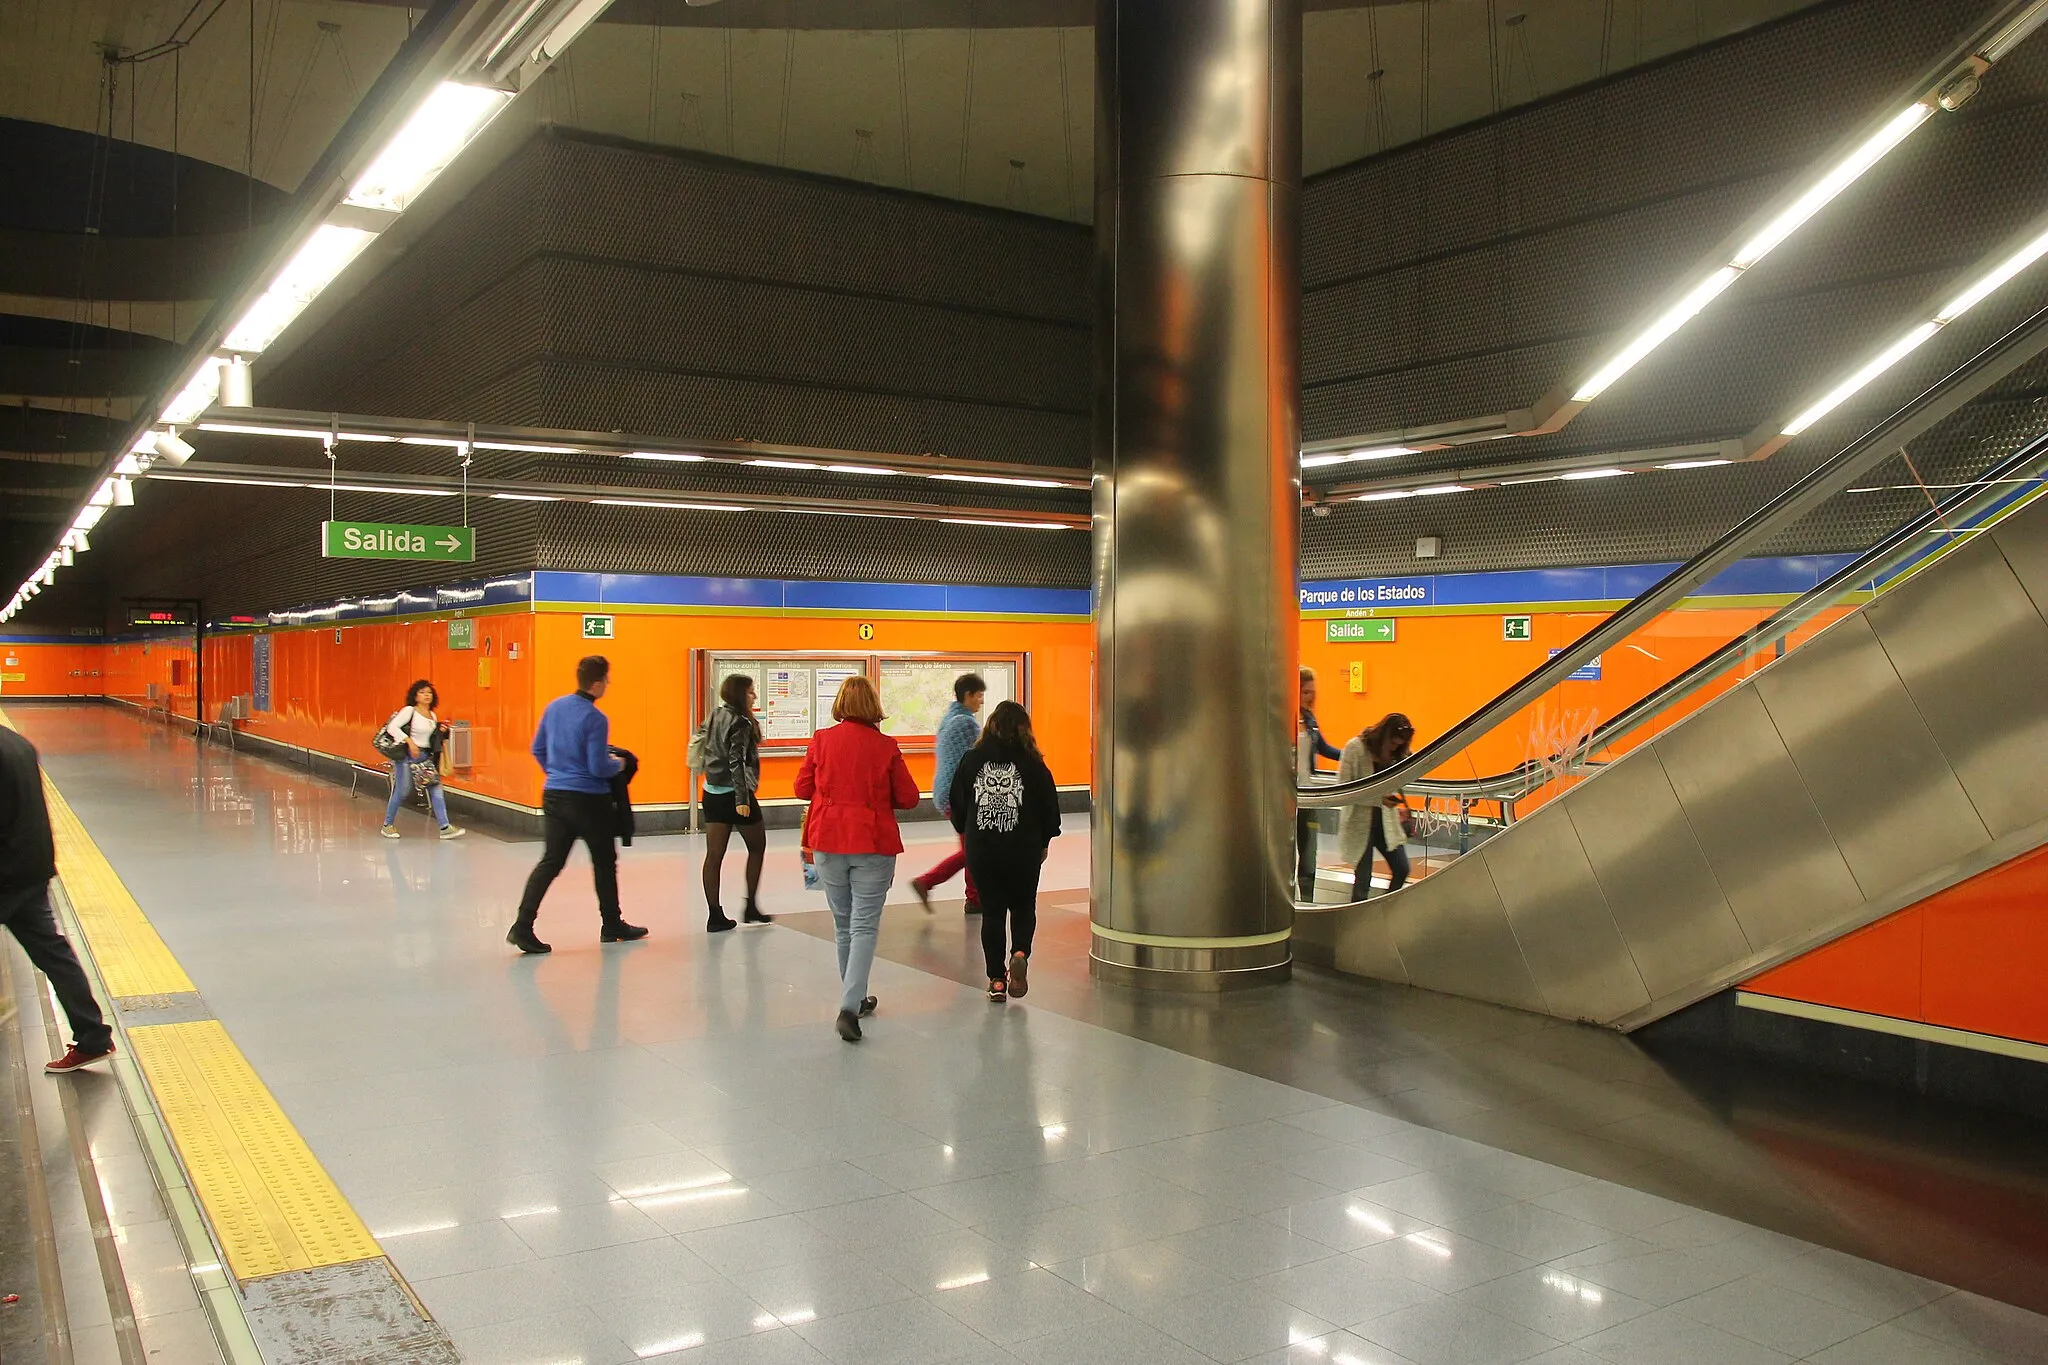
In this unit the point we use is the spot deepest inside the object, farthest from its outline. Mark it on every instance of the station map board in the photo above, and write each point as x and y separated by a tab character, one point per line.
795	692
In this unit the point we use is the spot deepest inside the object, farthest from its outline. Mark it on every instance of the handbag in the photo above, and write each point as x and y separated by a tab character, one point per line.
385	743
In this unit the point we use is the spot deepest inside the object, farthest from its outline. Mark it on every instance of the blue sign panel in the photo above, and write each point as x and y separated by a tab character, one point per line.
1588	671
1369	592
259	672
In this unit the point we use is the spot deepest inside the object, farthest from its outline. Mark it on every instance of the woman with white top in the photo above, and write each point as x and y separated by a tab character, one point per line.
416	724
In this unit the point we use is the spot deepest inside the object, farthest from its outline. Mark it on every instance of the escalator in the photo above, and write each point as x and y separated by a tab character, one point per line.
1893	749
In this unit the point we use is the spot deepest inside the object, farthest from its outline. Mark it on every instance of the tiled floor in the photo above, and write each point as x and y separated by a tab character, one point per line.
661	1151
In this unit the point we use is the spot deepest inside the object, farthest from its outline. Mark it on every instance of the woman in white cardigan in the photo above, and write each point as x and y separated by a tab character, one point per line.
1378	825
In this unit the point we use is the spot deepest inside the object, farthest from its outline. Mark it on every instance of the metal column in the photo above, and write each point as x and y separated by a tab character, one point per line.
1197	488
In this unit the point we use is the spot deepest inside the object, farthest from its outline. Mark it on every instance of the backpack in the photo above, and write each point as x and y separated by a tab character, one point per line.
700	743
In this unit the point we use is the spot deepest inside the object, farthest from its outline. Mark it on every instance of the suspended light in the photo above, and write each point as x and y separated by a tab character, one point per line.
326	254
432	138
196	397
172	448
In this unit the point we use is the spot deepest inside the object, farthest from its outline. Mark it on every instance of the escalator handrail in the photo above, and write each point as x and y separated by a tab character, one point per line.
1932	406
1881	559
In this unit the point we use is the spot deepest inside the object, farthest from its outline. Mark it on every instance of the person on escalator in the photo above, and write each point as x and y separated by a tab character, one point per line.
1304	820
1378	825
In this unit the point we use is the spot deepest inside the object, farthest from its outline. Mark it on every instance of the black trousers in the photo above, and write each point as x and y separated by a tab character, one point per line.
571	816
1009	901
1305	853
1397	863
34	925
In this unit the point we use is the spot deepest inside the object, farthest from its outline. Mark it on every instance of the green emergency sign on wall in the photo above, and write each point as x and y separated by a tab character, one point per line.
1377	631
392	540
1517	628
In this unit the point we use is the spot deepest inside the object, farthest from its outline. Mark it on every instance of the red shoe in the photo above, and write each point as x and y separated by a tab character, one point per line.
78	1057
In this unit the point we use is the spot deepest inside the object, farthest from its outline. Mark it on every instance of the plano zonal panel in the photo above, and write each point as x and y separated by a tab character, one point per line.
1562	920
1875	773
1973	652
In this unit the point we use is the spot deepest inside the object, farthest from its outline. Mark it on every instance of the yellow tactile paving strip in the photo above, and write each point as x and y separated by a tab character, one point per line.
133	960
272	1206
271	1203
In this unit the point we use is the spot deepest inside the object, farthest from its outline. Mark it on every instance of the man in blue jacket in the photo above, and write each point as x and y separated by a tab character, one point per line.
573	746
958	729
1304	828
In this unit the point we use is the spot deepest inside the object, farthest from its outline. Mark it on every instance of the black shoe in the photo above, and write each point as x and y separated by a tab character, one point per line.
717	922
867	1006
849	1026
973	908
752	915
618	931
522	938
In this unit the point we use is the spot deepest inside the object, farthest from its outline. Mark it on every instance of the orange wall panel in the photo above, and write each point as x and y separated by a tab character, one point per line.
50	670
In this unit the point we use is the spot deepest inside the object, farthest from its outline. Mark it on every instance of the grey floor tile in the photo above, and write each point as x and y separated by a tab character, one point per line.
1890	1345
1133	1278
1334	1348
945	1261
1432	1195
1451	1332
1235	1323
813	1187
644	1267
1976	1323
683	1316
1248	1248
752	1246
780	1347
1053	1235
990	1197
1016	1308
1773	1316
1121	1342
432	1252
1554	1303
564	1334
911	1332
1612	1206
1877	1292
1659	1277
1344	1292
1345	1222
1668	1338
582	1227
1346	1167
1531	1230
822	1287
1443	1260
477	1297
1345	1123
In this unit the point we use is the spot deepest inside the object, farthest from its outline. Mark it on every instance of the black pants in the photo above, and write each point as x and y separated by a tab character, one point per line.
1305	853
1397	862
1009	900
28	914
571	816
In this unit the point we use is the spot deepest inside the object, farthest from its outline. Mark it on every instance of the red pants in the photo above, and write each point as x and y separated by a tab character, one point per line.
942	872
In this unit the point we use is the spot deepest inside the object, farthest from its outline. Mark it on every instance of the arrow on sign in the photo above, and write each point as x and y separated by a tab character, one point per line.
449	543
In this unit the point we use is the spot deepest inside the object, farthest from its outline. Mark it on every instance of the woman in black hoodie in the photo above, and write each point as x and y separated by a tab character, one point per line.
1008	812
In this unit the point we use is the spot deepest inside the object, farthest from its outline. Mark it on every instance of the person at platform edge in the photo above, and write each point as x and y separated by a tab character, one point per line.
1318	747
28	860
573	746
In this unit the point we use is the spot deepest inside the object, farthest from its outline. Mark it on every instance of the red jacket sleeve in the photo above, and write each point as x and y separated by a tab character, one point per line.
902	787
807	775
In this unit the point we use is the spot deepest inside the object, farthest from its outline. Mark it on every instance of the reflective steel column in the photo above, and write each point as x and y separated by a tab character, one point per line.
1197	488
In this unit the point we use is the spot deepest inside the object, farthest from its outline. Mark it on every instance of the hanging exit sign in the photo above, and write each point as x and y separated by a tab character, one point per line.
1375	631
391	540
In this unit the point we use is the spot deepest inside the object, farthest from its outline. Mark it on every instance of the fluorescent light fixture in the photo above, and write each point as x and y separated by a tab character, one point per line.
1437	490
2016	32
1014	525
103	496
1593	474
1384	495
89	517
2003	272
1354	456
525	497
196	397
1655	335
672	458
247	429
1839	177
669	506
429	141
859	469
326	254
381	488
1872	368
523	448
1694	464
242	483
564	33
992	478
451	442
785	464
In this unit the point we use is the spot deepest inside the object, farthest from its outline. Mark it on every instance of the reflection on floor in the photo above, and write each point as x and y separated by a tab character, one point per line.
660	1150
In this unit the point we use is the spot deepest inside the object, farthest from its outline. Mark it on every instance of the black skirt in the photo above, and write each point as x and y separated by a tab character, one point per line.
719	809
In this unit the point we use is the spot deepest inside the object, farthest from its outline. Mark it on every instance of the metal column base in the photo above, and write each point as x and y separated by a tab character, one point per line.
1179	965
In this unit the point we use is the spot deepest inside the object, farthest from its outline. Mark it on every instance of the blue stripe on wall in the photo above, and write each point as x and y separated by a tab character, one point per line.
803	594
1789	574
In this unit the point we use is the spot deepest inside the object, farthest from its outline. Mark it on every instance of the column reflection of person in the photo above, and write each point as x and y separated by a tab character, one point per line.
1304	827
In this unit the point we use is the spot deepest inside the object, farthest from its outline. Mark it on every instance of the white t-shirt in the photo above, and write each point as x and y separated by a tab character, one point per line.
419	724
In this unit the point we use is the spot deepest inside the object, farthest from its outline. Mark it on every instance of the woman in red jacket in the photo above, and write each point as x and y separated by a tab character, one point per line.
855	779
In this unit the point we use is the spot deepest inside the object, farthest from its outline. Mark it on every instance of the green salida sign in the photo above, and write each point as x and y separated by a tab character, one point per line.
1375	631
390	540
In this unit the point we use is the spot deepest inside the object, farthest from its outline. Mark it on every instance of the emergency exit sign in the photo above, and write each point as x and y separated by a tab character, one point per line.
391	540
1516	628
1375	631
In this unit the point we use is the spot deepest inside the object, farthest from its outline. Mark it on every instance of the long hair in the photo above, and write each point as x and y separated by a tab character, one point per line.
412	694
733	692
1008	732
858	700
1388	741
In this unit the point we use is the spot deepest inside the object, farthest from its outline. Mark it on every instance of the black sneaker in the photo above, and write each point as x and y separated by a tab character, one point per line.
618	931
525	942
849	1026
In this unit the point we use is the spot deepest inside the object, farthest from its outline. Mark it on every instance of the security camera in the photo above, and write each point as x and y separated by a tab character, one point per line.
173	448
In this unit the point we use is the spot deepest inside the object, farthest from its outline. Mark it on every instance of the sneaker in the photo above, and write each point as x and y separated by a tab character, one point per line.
849	1026
922	892
452	831
389	831
717	922
618	931
1020	976
525	942
78	1057
752	915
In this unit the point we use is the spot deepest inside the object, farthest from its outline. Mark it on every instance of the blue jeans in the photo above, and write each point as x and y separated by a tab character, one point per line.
855	884
401	787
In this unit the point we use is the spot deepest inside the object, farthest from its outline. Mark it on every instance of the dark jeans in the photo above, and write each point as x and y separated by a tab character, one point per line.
571	816
28	914
1305	853
1397	864
1009	899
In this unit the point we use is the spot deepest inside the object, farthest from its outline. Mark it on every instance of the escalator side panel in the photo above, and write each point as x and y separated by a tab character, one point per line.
1362	943
1666	899
2025	547
1880	781
1559	916
1763	837
1973	652
1460	942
